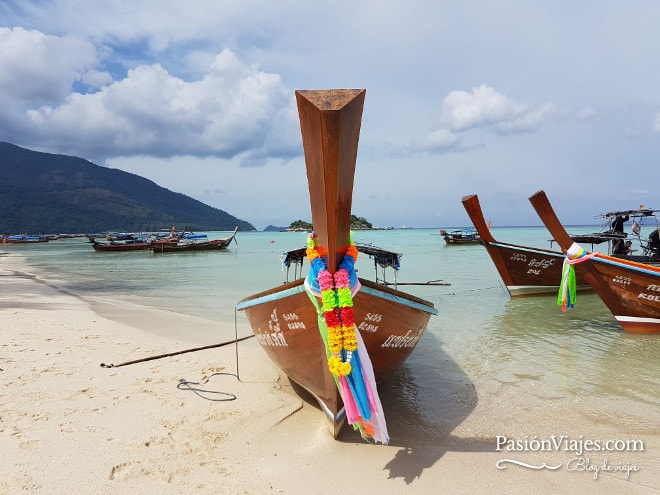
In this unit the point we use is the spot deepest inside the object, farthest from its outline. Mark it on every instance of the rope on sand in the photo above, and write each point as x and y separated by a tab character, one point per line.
169	354
186	385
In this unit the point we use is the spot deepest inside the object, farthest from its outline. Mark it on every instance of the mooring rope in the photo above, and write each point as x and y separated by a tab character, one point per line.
186	385
169	354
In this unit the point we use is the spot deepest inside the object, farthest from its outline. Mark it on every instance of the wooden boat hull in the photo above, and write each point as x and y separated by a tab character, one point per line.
178	247
285	322
630	290
106	247
24	239
459	240
197	246
524	270
527	271
461	237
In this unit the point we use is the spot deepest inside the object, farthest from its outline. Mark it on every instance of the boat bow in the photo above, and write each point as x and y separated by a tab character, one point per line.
359	335
629	289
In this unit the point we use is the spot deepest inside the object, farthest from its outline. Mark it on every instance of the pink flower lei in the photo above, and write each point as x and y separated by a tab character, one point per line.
337	307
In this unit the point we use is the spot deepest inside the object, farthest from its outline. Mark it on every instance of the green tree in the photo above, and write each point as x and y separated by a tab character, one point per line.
300	225
360	223
356	223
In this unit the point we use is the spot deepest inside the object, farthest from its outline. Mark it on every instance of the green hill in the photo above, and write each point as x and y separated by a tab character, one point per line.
48	193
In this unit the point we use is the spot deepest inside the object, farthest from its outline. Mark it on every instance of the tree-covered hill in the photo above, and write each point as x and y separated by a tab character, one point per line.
357	223
48	193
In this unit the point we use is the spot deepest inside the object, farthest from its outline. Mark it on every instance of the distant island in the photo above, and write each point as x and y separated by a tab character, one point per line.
357	223
274	228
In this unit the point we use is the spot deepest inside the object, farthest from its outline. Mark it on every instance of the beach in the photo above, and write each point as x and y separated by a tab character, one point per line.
71	426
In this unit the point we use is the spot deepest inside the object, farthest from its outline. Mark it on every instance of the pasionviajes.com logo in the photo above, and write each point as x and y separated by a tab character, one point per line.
577	447
563	443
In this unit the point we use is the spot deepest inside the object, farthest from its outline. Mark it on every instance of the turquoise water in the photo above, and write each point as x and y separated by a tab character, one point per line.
482	348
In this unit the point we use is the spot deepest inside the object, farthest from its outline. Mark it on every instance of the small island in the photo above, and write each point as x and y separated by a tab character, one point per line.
357	223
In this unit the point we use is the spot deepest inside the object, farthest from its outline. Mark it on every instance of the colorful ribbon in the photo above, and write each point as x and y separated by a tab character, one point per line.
568	287
348	359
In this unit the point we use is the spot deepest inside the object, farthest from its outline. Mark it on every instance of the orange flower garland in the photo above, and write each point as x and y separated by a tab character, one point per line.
337	307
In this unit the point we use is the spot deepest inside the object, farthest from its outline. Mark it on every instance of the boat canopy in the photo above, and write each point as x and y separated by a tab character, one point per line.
642	220
642	212
382	258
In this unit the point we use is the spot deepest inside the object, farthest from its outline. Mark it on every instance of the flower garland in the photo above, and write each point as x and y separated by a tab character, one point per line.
568	287
337	306
348	359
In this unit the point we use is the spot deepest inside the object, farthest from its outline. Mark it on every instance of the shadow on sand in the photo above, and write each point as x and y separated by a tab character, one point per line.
424	401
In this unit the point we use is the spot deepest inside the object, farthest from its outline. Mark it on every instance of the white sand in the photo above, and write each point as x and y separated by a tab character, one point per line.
70	426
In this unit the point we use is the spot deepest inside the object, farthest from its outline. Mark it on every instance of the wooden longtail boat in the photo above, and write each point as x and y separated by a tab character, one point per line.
285	319
465	236
185	245
524	270
121	246
629	289
24	239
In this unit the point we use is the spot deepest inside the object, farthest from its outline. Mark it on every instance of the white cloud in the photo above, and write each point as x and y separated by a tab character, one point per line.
437	140
483	109
213	80
585	114
40	69
233	109
96	78
486	108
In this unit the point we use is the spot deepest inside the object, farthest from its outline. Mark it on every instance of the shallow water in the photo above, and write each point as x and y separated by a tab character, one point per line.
484	349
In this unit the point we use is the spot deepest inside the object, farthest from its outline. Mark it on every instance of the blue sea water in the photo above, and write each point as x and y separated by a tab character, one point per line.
483	348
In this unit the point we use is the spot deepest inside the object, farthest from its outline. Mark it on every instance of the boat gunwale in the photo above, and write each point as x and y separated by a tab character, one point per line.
531	249
650	269
368	286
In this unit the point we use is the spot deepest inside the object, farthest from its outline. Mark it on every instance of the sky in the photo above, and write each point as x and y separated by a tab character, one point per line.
499	99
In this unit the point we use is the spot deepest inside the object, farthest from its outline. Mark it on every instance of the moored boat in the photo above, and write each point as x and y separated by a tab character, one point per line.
630	290
121	246
525	270
119	237
191	243
294	325
461	236
24	239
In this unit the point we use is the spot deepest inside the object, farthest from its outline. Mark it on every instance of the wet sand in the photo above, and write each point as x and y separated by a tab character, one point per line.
70	426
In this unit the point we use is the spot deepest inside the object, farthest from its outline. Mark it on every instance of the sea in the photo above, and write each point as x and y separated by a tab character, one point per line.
521	363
